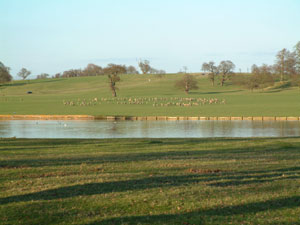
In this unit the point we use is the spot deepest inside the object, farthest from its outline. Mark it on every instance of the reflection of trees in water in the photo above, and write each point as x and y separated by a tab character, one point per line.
114	128
211	126
24	127
243	128
145	127
218	128
225	127
288	128
5	129
150	129
275	128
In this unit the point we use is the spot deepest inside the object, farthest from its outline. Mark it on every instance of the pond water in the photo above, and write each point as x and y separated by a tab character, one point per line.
147	129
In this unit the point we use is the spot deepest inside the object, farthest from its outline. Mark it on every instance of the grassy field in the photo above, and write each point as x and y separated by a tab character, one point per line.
150	181
143	95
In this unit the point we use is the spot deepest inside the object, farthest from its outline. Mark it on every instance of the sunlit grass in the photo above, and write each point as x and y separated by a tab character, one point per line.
150	181
49	96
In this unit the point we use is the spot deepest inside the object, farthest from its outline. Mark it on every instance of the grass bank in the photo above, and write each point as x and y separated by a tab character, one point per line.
150	181
143	95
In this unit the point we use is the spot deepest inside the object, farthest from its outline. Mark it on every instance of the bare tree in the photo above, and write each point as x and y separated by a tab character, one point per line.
24	73
285	63
263	76
212	69
4	74
295	80
131	70
145	66
225	69
57	75
72	73
187	83
254	69
42	76
260	78
92	70
297	57
185	69
112	71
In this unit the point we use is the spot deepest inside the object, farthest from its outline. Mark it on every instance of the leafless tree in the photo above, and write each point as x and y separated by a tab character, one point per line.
285	63
297	56
185	69
42	76
260	78
24	73
92	70
57	75
72	73
4	74
263	76
113	71
187	83
295	80
131	70
225	69
145	67
212	69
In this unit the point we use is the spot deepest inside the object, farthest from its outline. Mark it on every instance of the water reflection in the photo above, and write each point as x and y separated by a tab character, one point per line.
147	129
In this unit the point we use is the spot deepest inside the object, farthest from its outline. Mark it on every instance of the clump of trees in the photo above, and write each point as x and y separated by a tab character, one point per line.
223	71
72	73
260	78
187	83
4	74
42	76
286	69
91	70
285	64
131	70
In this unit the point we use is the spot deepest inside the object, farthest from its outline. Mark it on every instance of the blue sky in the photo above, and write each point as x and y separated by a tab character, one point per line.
55	35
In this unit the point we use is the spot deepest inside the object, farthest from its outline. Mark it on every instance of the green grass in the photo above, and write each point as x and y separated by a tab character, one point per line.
48	96
150	181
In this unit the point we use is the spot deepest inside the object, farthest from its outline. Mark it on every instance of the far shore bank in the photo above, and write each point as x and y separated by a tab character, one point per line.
149	118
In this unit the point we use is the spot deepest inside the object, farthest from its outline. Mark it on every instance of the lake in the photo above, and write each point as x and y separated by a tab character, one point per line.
147	129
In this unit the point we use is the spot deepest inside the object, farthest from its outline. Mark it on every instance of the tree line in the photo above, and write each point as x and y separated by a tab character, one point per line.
89	70
285	69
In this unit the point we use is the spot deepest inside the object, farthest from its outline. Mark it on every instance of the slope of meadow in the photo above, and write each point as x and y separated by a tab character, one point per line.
143	95
150	181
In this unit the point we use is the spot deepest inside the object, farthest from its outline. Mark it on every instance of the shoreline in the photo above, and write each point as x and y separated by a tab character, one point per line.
149	118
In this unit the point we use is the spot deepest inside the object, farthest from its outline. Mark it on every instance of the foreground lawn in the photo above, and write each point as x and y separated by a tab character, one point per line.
150	181
144	95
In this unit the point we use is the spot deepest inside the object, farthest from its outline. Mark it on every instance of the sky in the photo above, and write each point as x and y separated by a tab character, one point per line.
52	36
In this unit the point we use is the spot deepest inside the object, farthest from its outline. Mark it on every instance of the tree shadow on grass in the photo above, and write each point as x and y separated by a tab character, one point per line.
198	217
26	82
213	178
180	149
220	92
40	142
102	188
12	84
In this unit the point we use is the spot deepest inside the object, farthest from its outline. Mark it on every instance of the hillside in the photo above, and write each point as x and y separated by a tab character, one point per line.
143	95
